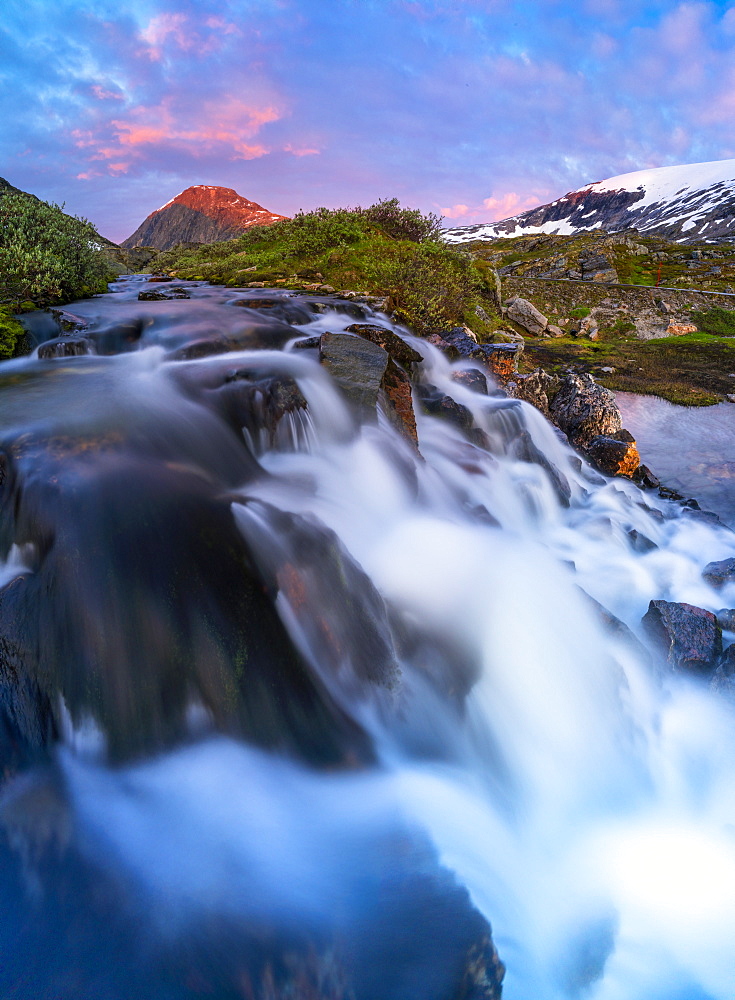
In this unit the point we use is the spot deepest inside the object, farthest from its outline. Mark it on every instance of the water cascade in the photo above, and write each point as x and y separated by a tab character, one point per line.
294	704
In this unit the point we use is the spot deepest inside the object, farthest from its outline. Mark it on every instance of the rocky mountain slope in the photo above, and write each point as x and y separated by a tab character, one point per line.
689	203
200	214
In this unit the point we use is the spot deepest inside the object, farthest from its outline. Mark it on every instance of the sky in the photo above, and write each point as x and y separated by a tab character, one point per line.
472	109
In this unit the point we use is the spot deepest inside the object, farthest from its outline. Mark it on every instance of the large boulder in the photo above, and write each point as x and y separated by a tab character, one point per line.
689	636
525	314
356	364
585	410
396	346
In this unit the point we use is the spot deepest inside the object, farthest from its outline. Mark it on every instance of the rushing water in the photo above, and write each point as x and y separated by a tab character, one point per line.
297	673
691	449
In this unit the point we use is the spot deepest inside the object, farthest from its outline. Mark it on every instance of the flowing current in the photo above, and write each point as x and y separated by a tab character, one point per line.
293	707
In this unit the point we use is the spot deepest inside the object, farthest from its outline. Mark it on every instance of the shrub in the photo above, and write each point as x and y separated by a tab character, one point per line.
46	255
404	223
716	321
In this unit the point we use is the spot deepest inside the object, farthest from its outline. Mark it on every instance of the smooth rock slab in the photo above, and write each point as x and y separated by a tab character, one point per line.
690	636
525	314
356	364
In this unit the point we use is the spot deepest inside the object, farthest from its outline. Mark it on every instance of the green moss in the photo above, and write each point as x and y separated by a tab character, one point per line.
11	334
715	321
581	312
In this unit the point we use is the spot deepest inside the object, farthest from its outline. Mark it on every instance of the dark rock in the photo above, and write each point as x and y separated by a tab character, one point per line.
666	493
717	574
726	619
396	346
440	405
165	294
66	347
640	542
397	388
526	315
158	278
690	636
613	456
524	448
723	678
585	410
472	379
69	322
286	309
459	344
270	336
256	402
308	343
645	478
357	365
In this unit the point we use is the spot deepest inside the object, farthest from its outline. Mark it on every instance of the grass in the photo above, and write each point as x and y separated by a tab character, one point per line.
693	370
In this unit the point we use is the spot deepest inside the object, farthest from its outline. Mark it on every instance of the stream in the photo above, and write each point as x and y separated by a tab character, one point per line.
292	707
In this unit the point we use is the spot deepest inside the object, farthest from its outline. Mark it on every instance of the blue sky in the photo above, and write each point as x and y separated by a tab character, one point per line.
475	109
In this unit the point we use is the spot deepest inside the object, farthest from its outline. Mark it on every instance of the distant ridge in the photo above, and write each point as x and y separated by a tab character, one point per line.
689	203
200	214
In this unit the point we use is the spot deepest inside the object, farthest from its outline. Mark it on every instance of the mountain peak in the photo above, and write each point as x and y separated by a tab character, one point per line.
685	203
202	213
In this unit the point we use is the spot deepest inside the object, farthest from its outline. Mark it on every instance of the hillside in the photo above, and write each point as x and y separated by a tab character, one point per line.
200	214
688	203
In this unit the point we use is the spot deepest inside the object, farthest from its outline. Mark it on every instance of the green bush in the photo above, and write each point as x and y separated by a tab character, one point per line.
716	321
404	223
46	255
11	333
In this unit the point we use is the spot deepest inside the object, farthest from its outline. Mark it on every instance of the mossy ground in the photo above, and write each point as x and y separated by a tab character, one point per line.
693	370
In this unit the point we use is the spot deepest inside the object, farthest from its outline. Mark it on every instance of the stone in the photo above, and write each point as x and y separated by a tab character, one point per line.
723	678
164	295
533	389
612	456
645	478
159	278
554	331
526	315
396	346
255	284
717	574
589	328
66	347
680	329
585	410
307	343
327	289
502	360
726	619
356	364
396	385
472	379
690	636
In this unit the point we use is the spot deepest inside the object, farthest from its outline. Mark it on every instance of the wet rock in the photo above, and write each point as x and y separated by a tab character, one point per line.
723	678
356	364
645	478
524	448
69	322
585	410
165	295
640	542
438	404
717	574
473	379
726	619
159	278
308	343
396	385
257	402
66	347
284	308
459	345
268	336
526	315
689	636
396	346
613	456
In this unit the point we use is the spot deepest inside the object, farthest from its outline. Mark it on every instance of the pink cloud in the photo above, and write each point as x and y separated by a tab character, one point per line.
106	95
163	27
301	151
493	209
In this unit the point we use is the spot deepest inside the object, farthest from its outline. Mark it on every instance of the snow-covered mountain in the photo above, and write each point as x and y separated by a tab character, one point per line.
690	203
